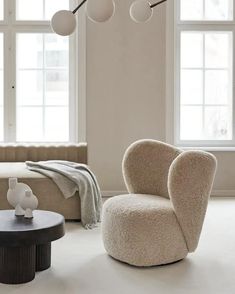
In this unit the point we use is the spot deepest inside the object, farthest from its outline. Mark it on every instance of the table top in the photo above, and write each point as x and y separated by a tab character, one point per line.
44	227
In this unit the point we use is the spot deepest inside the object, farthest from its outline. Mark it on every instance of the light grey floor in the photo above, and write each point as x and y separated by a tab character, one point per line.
80	264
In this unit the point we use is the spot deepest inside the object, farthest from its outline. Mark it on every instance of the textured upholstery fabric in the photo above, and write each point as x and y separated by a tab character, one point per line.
49	196
145	167
190	181
145	227
142	230
17	153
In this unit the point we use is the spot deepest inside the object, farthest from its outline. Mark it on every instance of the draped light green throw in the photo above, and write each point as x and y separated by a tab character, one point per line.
71	177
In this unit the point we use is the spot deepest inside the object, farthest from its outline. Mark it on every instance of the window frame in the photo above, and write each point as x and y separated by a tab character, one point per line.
10	27
175	28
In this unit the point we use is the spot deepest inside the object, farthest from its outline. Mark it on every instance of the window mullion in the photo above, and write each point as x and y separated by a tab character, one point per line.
12	88
9	77
232	75
203	83
204	9
44	85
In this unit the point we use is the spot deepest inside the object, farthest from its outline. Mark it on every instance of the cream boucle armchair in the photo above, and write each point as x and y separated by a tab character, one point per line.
160	221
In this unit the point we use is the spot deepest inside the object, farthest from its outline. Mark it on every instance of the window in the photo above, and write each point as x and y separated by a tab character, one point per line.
1	86
37	103
204	73
1	9
39	9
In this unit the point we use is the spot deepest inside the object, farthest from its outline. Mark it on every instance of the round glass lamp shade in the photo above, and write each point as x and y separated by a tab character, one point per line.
140	11
63	22
100	10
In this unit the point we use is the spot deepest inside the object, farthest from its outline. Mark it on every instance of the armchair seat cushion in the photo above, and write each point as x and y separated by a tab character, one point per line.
142	230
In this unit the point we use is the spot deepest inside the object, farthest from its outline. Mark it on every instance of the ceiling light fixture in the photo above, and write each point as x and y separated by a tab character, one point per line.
64	22
142	10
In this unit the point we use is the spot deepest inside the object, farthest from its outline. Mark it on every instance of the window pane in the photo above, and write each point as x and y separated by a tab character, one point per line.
57	88
39	9
1	87
30	87
1	51
206	91
218	10
29	10
191	87
191	123
1	10
218	87
218	123
30	124
191	9
56	121
43	81
218	49
29	51
191	45
57	51
1	123
51	6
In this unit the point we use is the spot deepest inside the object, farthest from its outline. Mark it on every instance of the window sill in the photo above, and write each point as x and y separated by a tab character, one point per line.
211	149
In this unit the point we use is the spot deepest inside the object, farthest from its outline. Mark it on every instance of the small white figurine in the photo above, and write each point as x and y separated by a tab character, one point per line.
29	202
15	193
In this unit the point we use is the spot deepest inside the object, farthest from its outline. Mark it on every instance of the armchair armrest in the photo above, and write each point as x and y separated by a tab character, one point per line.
190	180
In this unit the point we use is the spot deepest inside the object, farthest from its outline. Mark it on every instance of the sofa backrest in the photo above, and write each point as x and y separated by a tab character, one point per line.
21	153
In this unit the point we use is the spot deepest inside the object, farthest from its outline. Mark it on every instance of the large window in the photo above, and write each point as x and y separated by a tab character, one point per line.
36	91
1	9
204	73
1	87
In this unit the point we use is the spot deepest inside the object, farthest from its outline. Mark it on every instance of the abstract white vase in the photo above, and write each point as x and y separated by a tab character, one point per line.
15	193
29	202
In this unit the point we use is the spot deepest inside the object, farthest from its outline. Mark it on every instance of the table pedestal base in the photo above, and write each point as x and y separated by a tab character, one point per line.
43	257
18	264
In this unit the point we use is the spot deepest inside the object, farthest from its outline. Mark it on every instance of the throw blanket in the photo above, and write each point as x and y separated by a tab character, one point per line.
71	177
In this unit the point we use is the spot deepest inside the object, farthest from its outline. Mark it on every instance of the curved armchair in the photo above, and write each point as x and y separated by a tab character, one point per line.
161	218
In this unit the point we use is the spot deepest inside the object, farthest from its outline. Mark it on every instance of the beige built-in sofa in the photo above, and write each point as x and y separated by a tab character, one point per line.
12	164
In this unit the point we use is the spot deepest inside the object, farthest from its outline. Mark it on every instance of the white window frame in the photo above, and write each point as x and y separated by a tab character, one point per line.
77	85
174	28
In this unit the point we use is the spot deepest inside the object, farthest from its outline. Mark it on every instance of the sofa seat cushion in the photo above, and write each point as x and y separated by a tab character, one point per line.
17	170
48	194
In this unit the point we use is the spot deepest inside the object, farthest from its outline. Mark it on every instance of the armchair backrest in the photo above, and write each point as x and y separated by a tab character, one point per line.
146	165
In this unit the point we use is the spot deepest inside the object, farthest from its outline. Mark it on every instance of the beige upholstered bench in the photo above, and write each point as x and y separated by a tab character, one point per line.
12	164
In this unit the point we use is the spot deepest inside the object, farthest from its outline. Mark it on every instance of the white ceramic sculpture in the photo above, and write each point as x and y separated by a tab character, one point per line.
29	202
15	193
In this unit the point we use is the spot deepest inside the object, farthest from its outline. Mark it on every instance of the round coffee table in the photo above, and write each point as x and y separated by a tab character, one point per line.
25	244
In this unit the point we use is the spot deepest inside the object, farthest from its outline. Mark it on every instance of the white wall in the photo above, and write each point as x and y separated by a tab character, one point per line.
126	97
125	89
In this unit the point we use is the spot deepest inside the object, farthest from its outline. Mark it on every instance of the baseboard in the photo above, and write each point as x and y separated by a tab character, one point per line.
223	193
214	193
107	194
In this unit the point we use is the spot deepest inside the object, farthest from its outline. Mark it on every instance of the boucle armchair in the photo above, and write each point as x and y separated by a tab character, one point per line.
161	218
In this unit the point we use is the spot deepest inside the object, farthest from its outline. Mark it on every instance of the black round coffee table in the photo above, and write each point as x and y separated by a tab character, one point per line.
25	244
